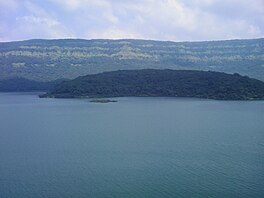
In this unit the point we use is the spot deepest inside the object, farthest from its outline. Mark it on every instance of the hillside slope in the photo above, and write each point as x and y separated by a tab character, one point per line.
25	85
167	83
45	60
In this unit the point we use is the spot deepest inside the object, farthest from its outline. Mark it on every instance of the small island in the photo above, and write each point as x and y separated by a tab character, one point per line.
160	83
102	100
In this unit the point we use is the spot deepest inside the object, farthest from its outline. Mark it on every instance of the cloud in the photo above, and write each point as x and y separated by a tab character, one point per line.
73	5
148	19
10	4
46	27
113	33
31	21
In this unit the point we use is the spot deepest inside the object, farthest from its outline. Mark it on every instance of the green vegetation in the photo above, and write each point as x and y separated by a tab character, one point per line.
46	60
169	83
24	85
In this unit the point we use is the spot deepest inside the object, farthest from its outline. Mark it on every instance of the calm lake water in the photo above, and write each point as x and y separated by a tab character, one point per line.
137	147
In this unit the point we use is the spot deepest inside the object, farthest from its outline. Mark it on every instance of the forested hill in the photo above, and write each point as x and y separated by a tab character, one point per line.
171	83
24	85
47	60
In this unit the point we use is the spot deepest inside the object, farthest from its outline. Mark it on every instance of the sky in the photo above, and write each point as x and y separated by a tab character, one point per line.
174	20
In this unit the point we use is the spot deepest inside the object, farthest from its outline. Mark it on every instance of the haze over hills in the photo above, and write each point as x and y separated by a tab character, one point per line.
25	85
46	60
162	83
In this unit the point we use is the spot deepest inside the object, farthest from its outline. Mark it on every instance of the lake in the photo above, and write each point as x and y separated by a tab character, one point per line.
134	148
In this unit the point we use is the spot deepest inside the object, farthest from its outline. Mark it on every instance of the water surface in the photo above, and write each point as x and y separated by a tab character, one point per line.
137	147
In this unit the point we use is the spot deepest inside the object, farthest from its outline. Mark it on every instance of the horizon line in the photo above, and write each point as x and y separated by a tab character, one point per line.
142	39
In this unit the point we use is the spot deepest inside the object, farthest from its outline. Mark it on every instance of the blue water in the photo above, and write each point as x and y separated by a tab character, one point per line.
137	147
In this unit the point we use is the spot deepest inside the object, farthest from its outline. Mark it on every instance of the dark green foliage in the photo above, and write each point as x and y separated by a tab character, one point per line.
169	83
45	60
24	85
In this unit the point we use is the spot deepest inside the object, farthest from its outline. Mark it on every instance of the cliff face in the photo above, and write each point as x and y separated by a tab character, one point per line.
46	60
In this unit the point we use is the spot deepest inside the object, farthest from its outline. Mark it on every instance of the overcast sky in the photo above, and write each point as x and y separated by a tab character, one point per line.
176	20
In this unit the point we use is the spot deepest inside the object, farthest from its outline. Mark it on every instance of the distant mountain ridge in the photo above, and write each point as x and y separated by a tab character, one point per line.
161	83
46	60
